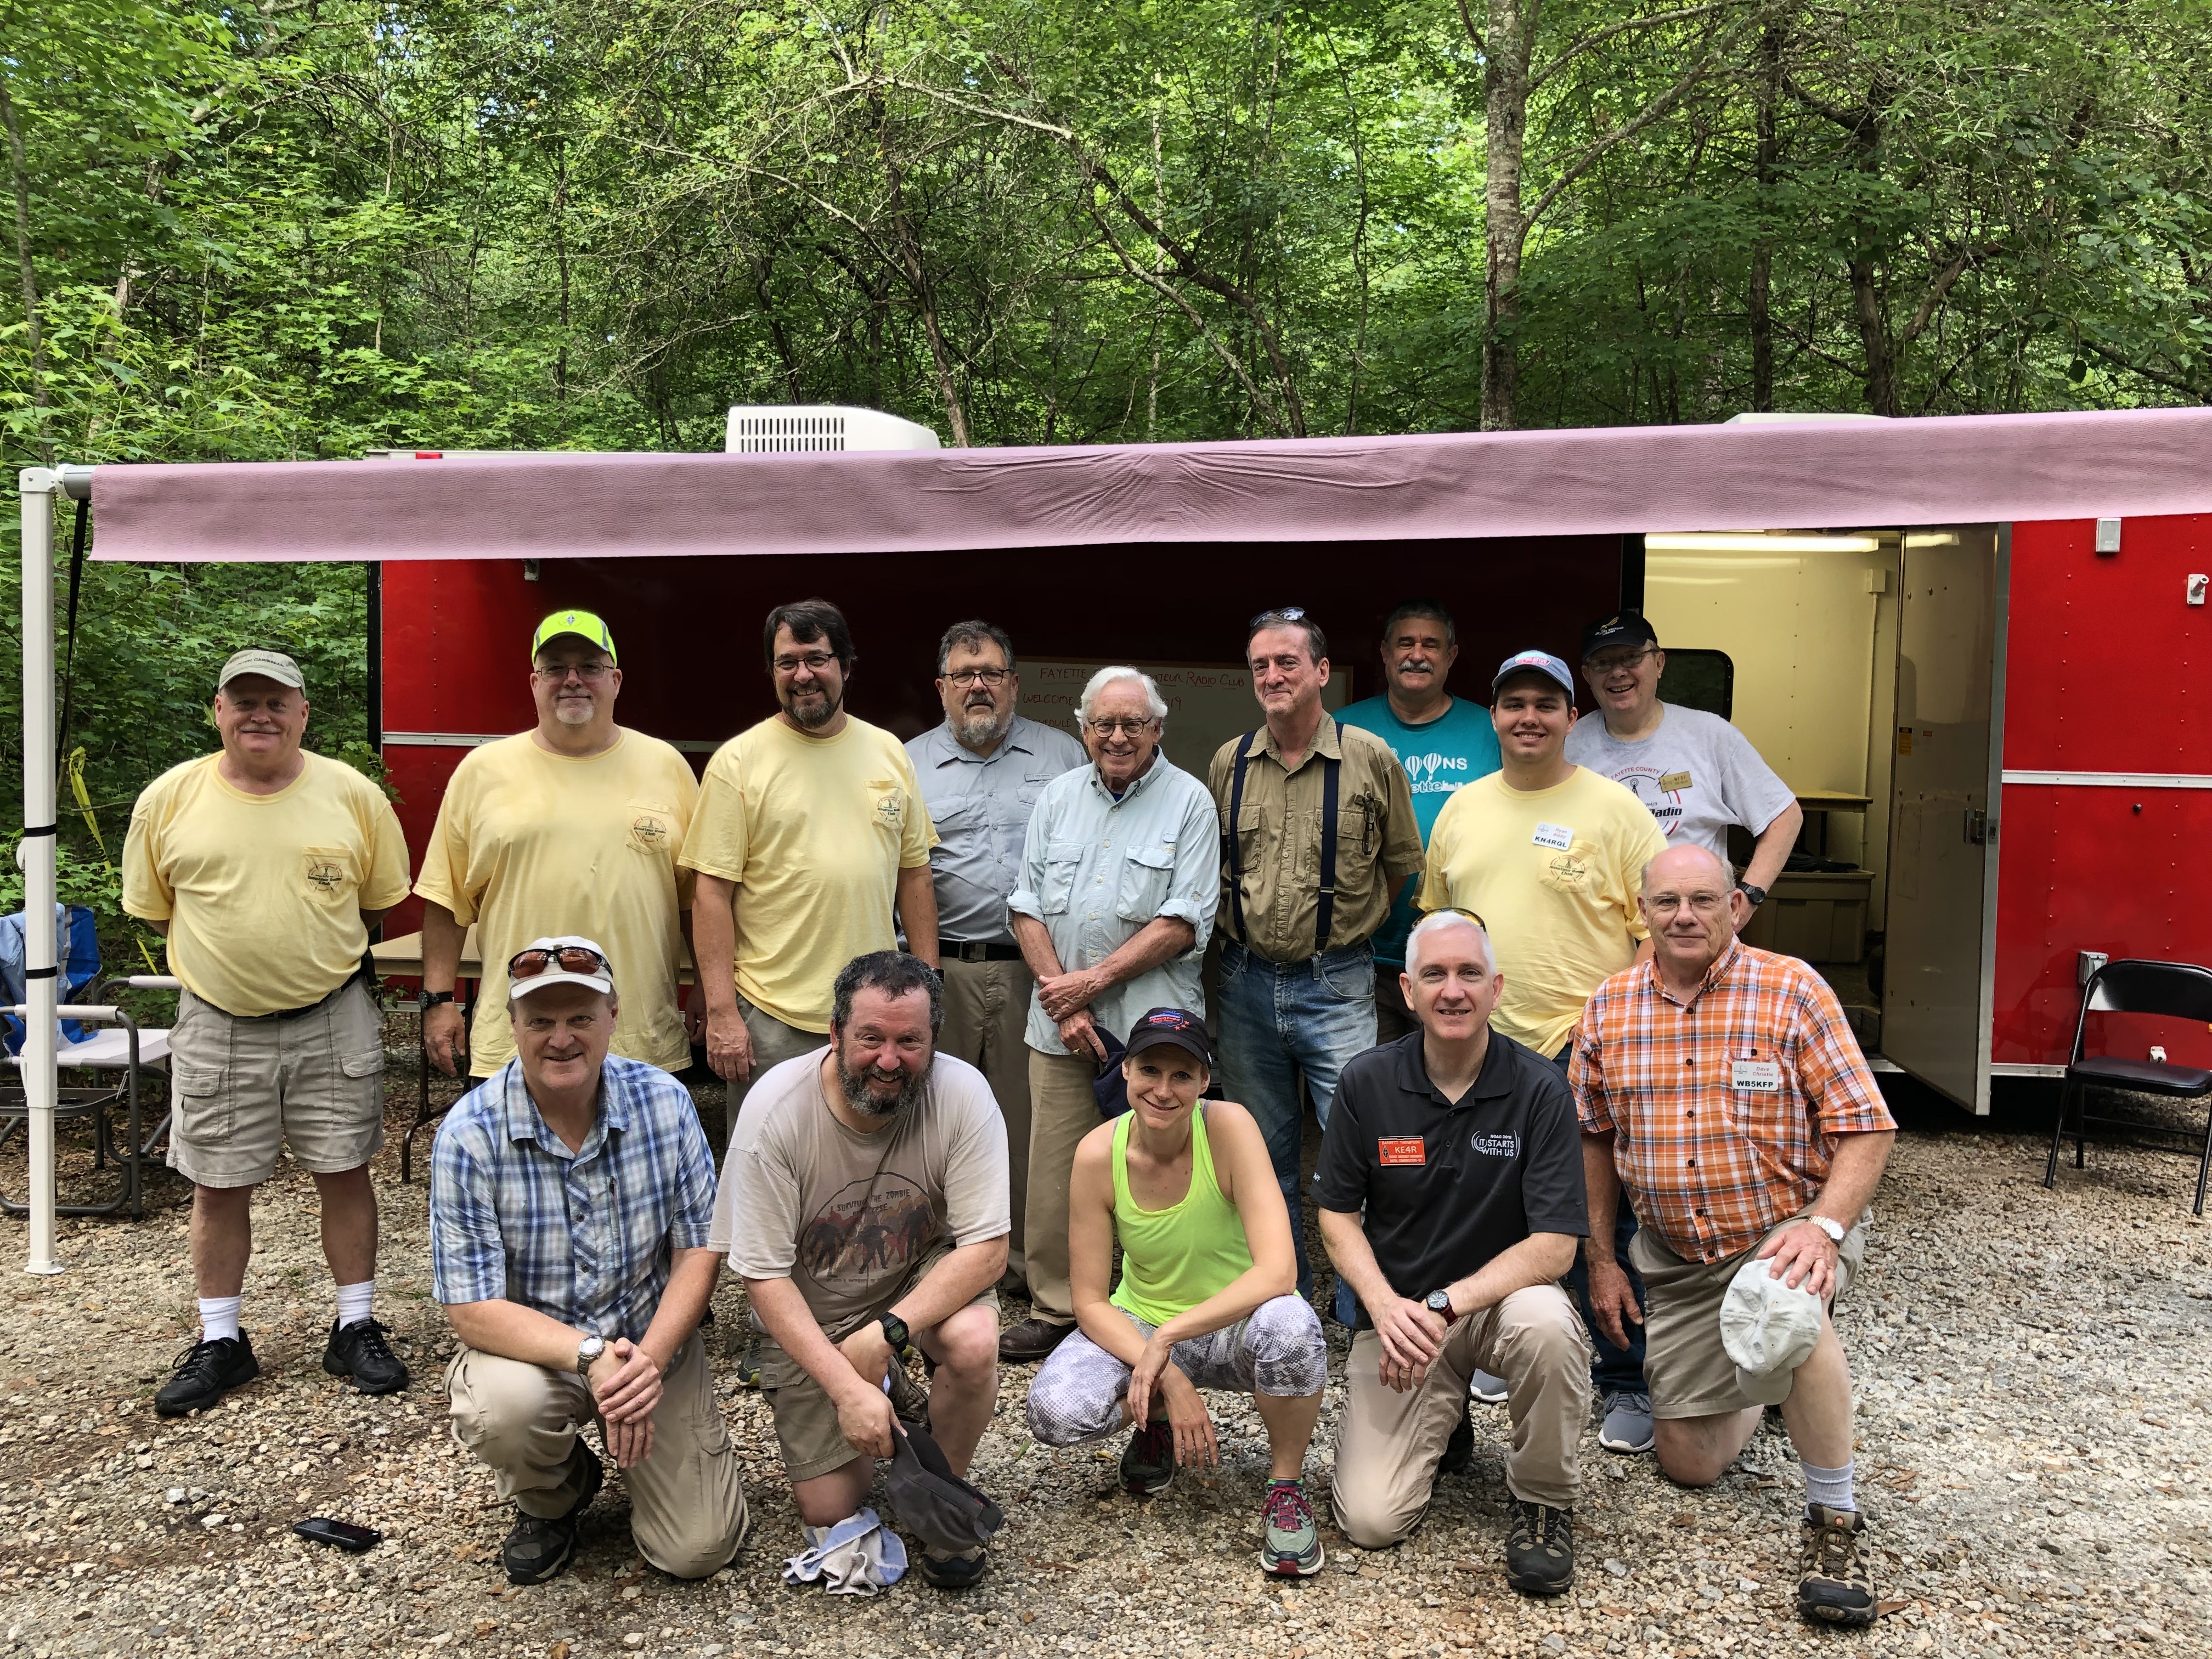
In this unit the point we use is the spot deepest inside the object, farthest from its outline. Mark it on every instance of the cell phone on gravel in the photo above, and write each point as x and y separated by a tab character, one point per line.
342	1533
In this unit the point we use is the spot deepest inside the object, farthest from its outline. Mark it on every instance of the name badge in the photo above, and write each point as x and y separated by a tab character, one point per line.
1557	836
1762	1075
1674	782
1401	1149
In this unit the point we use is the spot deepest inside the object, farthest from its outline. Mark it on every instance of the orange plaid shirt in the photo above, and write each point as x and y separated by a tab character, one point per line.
1725	1109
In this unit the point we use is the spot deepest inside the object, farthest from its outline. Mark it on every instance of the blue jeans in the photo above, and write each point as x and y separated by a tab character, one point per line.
1277	1021
1614	1370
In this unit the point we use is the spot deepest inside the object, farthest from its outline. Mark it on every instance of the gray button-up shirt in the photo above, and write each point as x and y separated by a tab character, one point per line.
982	810
1096	871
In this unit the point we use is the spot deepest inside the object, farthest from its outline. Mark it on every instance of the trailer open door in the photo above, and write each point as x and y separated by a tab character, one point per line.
1940	954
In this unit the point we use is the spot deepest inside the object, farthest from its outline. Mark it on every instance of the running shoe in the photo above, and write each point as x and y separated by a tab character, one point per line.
205	1372
1290	1546
1148	1461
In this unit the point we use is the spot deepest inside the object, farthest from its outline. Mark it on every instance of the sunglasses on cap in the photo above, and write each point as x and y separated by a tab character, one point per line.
569	958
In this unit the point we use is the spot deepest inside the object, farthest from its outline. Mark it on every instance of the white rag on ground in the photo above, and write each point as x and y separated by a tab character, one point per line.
858	1556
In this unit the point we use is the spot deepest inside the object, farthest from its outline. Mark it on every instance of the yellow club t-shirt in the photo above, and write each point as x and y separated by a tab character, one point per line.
814	832
531	845
1555	872
262	893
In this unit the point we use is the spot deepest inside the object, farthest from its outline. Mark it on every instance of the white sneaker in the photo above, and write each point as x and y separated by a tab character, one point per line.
1490	1390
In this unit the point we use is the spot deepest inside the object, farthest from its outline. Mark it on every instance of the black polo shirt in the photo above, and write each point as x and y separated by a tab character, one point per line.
1447	1187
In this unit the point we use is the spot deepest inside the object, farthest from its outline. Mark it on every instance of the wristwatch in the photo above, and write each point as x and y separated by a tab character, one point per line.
1756	895
434	998
1834	1229
1439	1303
587	1351
894	1332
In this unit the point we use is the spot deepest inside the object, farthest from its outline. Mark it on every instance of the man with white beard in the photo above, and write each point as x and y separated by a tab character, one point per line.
981	772
863	1203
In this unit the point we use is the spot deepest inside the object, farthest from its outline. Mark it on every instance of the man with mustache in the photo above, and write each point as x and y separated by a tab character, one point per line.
866	1134
811	845
265	865
982	773
572	827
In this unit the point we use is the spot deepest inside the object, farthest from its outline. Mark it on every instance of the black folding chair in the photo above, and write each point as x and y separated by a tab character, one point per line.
2178	990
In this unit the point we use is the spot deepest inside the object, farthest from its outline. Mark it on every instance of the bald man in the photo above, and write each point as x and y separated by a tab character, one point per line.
1719	1087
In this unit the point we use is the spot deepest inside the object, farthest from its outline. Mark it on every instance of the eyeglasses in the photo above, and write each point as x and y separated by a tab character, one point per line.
1134	727
814	662
990	677
569	958
1705	905
1627	659
589	673
1456	910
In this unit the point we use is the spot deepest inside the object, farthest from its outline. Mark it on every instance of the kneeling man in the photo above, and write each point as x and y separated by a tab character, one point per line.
1721	1087
1460	1145
570	1197
864	1203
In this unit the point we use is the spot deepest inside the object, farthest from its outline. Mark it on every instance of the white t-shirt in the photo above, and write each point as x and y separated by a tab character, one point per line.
1697	774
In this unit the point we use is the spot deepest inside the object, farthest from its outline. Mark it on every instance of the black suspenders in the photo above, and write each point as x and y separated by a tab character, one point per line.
1325	914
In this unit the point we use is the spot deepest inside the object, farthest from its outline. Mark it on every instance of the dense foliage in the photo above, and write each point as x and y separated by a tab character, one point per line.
312	227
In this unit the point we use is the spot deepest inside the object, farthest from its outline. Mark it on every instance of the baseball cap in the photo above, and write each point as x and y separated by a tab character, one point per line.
1536	662
584	625
1769	1330
598	978
1622	628
1174	1027
949	1516
269	665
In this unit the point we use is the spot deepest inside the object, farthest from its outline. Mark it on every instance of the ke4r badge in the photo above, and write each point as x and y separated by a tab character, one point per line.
1401	1149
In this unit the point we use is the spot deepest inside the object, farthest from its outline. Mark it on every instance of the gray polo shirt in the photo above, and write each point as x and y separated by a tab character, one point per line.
982	810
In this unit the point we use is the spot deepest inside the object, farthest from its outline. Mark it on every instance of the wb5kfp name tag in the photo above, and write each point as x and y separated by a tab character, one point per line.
1763	1075
1557	836
1401	1149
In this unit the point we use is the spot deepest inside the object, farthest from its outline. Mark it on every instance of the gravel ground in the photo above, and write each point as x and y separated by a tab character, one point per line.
2033	1437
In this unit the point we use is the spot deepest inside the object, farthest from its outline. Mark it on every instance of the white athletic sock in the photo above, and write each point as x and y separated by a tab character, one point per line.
219	1317
1829	1487
354	1302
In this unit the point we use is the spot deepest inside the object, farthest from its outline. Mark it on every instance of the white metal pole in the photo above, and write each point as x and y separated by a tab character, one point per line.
36	855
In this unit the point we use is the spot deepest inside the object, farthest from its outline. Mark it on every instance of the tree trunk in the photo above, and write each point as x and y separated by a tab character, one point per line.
917	279
27	272
1762	254
1512	37
1873	337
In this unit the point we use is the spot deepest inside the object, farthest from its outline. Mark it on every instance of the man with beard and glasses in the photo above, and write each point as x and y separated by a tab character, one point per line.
981	772
864	1203
572	827
811	846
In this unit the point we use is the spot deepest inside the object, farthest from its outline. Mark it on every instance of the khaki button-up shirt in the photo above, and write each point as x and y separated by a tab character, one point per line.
1378	843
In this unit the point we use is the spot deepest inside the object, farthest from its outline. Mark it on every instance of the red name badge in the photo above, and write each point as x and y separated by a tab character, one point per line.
1401	1149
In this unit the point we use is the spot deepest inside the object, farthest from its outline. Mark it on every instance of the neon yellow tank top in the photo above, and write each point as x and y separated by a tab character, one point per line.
1173	1258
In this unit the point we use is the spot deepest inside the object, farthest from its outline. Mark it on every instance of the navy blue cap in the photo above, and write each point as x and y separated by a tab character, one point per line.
1185	1030
1622	628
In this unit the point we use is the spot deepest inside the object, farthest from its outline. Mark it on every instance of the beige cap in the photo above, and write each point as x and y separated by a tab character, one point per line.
1769	1330
269	665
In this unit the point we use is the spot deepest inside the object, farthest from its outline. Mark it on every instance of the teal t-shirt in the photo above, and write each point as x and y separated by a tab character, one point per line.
1448	753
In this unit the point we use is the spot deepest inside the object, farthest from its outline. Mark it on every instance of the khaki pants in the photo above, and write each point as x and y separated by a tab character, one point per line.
1389	1444
987	1006
773	1043
1062	1110
687	1500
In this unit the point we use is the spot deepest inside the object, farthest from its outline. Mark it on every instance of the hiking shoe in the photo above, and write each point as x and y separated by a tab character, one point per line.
1627	1425
749	1364
952	1572
909	1399
1033	1338
541	1547
1459	1451
1490	1390
1148	1461
205	1372
1834	1586
1290	1546
359	1350
1539	1551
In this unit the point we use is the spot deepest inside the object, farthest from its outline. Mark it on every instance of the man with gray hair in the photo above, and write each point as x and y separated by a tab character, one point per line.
1119	873
981	773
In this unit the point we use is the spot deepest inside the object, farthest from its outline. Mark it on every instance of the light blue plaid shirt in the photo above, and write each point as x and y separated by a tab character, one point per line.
582	1237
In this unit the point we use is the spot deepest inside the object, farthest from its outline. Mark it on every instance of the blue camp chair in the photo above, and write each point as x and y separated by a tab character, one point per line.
104	1042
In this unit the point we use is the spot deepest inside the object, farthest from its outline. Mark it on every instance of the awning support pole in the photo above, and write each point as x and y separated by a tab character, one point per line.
35	853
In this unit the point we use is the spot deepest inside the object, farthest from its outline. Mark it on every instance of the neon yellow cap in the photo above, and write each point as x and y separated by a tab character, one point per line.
582	623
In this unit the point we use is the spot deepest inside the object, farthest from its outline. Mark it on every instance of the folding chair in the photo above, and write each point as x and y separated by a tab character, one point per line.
2178	990
122	1049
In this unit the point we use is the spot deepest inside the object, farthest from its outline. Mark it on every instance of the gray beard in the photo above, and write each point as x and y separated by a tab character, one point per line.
829	707
982	727
856	1084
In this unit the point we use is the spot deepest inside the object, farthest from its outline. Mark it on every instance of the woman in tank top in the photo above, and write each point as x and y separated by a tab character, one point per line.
1207	1296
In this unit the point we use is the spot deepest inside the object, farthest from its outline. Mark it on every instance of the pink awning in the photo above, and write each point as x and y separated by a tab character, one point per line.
1966	468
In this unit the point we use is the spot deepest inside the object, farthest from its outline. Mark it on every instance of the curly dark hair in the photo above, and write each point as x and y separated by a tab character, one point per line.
892	972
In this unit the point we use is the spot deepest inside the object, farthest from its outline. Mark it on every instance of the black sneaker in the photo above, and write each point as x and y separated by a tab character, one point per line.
205	1372
952	1572
1834	1587
1539	1551
541	1547
1459	1451
359	1350
1148	1461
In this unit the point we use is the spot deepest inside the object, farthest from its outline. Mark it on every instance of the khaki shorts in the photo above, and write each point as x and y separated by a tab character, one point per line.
244	1089
1685	1366
805	1417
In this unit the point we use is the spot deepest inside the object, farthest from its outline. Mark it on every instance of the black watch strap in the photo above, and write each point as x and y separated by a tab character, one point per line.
895	1331
1756	895
434	998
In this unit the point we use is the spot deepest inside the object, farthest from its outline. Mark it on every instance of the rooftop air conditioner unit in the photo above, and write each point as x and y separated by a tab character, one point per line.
776	429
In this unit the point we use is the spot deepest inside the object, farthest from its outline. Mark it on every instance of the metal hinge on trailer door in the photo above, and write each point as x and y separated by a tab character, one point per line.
1981	827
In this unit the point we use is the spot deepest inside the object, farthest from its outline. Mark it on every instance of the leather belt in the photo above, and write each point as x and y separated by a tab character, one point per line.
955	949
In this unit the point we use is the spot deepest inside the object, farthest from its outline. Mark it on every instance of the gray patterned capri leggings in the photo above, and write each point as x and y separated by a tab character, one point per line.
1276	1349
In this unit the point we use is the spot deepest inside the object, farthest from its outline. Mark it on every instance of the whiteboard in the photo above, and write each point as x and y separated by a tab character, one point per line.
1208	703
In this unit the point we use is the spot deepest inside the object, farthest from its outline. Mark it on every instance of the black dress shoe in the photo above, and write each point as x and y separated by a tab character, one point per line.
359	1350
205	1372
1033	1338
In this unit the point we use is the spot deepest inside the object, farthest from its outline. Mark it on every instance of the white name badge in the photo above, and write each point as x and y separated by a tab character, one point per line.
1763	1075
1557	836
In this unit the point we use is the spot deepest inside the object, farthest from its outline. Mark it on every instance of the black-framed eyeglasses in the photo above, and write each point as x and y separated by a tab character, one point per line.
992	678
589	673
569	958
814	661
